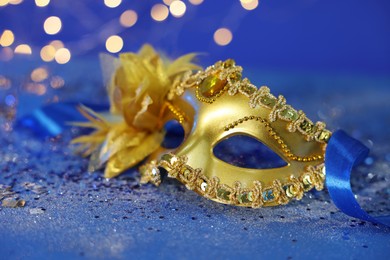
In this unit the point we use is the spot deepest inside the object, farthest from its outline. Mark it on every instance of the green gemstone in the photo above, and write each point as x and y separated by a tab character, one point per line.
245	197
223	194
211	86
289	114
307	126
268	101
249	90
167	157
307	183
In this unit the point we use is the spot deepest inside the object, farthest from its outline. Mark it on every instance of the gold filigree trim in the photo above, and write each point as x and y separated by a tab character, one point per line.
279	192
232	74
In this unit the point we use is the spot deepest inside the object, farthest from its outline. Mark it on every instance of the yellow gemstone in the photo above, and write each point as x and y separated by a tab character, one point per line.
229	63
307	182
290	191
186	172
211	86
325	136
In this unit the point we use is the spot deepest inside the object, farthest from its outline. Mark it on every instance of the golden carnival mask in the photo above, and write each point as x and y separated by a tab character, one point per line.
219	104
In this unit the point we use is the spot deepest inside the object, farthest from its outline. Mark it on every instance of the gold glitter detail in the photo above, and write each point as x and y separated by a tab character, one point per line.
255	197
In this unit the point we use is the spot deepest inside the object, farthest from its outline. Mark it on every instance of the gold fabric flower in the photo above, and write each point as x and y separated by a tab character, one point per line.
140	94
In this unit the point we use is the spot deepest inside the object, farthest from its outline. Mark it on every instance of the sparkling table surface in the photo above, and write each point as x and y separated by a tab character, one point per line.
70	213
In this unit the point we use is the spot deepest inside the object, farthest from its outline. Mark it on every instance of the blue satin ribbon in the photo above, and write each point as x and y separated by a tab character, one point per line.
342	154
51	120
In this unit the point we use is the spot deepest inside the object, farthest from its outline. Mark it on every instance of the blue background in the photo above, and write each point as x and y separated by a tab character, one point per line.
348	35
329	58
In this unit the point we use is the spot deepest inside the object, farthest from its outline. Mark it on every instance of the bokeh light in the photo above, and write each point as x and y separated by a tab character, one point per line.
57	44
23	49
4	2
128	18
7	38
42	3
177	8
15	2
62	56
112	3
5	83
57	82
36	88
223	36
48	53
114	44
159	12
39	74
168	2
249	4
196	2
52	25
6	54
10	100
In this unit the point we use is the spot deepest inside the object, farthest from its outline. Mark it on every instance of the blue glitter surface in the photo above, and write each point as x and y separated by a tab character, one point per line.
70	213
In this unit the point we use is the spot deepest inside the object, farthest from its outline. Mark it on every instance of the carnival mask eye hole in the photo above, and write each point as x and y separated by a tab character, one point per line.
174	134
247	152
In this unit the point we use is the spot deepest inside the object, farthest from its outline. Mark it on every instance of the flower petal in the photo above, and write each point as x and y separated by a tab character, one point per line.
130	157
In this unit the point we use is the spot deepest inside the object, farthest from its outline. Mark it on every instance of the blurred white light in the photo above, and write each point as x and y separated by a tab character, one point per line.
42	3
196	2
249	4
177	8
23	49
112	3
62	56
223	36
114	44
128	18
52	25
159	12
